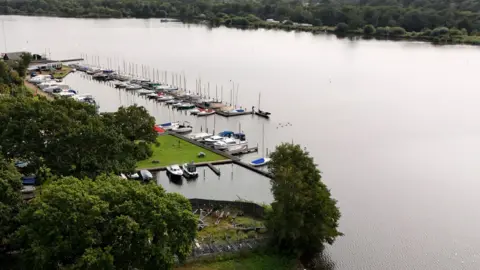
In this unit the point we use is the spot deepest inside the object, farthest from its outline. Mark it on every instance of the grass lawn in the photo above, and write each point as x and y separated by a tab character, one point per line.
251	262
175	151
60	74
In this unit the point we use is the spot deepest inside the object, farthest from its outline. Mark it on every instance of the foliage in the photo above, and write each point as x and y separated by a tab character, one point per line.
397	31
369	29
341	28
10	202
108	223
135	123
70	138
304	215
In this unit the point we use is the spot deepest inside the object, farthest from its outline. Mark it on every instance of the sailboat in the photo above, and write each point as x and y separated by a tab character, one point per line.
263	160
260	112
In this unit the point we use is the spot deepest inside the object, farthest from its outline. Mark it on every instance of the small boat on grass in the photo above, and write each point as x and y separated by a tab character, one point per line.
260	162
189	170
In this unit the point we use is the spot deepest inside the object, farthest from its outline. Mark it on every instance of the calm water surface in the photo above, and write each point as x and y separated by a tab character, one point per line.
393	125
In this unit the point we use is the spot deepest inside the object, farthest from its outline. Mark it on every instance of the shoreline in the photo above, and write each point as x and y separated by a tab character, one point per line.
444	39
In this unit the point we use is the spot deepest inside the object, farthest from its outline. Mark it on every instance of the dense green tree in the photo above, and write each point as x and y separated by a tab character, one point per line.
108	223
135	123
304	215
341	28
70	138
369	29
10	203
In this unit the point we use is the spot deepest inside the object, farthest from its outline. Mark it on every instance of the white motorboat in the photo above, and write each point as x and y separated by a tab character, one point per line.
194	111
200	136
174	171
260	162
166	88
143	92
183	128
172	101
146	175
186	106
230	144
189	170
121	85
212	139
56	87
47	84
169	125
165	98
133	87
40	79
176	105
65	94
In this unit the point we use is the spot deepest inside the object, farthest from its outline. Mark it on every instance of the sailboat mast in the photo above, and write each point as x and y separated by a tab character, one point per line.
263	140
259	101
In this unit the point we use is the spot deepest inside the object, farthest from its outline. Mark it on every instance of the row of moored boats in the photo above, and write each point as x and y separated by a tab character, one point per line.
48	84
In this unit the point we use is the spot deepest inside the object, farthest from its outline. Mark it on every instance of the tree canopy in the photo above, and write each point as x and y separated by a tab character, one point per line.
10	202
108	223
304	215
70	138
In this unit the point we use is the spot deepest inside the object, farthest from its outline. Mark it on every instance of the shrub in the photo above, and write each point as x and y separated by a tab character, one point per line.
397	31
369	29
383	31
341	28
439	31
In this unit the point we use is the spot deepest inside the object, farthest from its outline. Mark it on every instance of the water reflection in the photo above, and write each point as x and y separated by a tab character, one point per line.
234	183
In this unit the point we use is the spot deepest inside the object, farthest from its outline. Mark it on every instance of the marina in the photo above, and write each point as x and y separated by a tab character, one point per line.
394	120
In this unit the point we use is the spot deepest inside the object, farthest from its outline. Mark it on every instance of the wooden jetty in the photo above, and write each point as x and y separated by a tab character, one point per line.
244	151
198	164
214	169
230	114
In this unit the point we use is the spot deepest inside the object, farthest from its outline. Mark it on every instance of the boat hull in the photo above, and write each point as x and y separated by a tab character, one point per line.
264	115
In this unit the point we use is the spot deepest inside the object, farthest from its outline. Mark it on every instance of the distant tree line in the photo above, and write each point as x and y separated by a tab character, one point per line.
413	16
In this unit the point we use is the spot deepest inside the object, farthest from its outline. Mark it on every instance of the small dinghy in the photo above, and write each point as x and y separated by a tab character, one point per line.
263	114
260	162
189	170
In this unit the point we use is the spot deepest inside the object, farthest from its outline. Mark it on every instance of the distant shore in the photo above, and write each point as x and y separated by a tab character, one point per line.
437	36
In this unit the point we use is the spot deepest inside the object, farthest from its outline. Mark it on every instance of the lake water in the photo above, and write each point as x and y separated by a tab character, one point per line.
392	125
